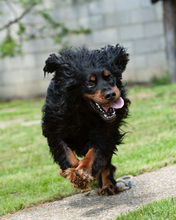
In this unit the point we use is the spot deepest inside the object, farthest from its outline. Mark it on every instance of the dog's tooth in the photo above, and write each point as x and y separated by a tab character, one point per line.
98	105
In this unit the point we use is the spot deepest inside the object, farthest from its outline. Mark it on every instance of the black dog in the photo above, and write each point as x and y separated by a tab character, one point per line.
85	107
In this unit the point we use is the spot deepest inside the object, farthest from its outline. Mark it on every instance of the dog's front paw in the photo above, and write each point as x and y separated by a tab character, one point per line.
79	178
62	173
108	190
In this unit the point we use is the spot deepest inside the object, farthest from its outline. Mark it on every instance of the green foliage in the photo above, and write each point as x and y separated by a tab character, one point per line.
21	29
12	45
9	47
27	3
62	30
163	80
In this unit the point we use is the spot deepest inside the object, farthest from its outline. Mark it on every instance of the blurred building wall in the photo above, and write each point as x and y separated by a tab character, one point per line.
135	24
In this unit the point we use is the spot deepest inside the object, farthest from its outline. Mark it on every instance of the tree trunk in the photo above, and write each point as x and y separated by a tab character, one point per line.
170	32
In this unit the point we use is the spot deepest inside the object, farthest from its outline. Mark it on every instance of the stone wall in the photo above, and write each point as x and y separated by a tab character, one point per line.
136	24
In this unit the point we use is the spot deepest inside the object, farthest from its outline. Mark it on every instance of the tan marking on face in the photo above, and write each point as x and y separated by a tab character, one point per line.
116	90
98	97
106	73
92	78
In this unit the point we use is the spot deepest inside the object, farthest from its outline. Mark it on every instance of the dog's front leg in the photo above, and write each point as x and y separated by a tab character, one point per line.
81	176
87	170
73	160
62	155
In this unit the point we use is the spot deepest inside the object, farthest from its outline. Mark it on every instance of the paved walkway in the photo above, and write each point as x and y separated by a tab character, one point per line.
146	188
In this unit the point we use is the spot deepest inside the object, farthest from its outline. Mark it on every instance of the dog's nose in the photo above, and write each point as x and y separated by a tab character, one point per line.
110	95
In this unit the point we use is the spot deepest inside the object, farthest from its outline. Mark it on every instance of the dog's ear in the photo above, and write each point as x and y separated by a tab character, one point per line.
51	64
118	57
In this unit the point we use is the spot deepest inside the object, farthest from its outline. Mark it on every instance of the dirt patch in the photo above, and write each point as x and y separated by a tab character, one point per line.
5	124
30	123
146	188
13	109
141	95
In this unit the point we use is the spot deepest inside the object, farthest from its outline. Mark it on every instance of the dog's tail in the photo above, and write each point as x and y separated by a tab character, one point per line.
51	64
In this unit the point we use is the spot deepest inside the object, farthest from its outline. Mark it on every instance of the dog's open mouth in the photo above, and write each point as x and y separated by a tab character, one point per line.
107	112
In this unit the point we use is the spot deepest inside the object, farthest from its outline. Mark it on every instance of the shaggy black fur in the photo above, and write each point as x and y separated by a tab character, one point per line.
73	122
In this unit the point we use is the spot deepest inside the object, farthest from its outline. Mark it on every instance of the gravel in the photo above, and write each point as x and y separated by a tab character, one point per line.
146	188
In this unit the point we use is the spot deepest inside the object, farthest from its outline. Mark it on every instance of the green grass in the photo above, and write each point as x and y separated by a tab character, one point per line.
160	210
28	174
150	143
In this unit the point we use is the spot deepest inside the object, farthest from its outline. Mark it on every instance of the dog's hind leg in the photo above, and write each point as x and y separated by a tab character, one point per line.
107	182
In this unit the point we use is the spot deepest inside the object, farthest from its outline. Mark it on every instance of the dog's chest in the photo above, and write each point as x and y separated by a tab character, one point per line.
77	138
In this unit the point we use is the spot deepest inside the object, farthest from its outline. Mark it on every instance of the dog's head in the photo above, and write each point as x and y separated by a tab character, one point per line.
94	76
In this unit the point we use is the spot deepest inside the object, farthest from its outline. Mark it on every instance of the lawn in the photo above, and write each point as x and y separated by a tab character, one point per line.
27	172
164	209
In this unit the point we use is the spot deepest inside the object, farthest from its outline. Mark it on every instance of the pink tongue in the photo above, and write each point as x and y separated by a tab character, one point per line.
116	105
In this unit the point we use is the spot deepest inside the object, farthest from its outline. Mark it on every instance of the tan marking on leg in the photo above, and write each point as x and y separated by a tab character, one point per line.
107	186
86	163
62	174
105	180
73	159
81	176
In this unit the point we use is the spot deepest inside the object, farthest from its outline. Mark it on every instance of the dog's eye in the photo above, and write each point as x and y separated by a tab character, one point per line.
90	84
109	78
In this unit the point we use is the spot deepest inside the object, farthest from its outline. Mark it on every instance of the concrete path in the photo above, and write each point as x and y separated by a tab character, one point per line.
146	188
